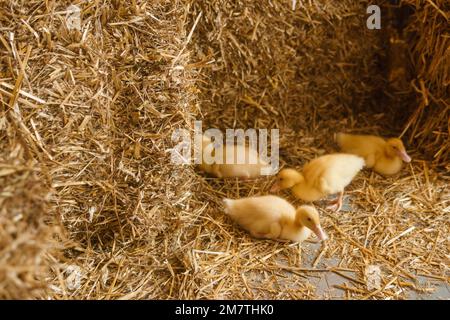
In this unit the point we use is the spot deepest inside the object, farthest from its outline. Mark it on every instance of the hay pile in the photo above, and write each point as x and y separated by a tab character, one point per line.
429	42
92	208
96	110
27	231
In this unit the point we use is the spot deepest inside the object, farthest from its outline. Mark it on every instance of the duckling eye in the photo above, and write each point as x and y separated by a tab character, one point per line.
309	219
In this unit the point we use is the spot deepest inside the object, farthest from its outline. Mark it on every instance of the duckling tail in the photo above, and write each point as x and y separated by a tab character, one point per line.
227	204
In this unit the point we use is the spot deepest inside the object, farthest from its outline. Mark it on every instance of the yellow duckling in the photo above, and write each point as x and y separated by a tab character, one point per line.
272	217
325	175
384	156
251	168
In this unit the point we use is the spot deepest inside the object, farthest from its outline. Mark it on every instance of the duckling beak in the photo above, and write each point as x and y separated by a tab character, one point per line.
275	187
320	233
404	156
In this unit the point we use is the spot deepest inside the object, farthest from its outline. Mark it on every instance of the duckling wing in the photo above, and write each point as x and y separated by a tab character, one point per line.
259	214
250	156
339	171
273	232
313	173
362	145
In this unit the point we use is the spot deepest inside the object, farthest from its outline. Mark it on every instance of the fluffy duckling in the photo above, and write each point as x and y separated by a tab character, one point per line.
252	168
325	175
384	156
272	217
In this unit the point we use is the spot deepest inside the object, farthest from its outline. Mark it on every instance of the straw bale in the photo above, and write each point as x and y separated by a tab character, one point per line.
428	37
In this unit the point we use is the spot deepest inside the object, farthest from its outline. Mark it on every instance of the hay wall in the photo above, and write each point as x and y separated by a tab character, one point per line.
272	63
26	229
429	43
113	93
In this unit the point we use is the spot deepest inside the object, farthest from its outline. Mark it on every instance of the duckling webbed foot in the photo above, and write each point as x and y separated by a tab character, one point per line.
246	177
336	204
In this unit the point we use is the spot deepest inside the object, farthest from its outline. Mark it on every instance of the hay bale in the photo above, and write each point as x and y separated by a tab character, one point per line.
26	228
93	106
270	63
104	102
429	44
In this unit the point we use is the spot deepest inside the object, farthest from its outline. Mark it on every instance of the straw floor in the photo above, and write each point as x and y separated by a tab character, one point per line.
309	76
91	206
